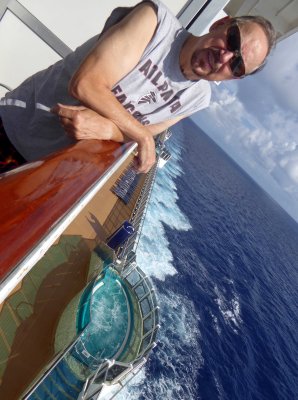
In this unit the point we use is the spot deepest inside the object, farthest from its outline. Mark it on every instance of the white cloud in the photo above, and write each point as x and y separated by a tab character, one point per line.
290	164
264	148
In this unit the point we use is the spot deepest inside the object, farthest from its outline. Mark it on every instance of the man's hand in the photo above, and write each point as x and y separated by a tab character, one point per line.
80	122
146	154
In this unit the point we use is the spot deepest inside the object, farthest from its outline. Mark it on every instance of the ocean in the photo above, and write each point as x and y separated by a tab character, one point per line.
223	257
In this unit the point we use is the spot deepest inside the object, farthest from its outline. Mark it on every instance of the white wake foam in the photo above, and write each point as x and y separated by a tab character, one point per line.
178	356
229	308
179	336
153	254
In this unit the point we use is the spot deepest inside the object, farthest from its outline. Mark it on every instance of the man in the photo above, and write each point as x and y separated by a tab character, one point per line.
142	75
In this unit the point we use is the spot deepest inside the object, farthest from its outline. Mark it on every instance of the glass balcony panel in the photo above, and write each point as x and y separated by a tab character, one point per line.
133	278
145	343
148	324
145	306
140	291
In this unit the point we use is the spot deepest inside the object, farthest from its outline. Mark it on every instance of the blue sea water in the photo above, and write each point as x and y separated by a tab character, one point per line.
223	257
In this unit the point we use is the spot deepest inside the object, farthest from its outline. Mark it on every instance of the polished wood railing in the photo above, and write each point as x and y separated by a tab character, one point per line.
35	198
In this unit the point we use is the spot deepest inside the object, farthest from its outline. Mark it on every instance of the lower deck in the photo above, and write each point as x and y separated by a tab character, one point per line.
39	319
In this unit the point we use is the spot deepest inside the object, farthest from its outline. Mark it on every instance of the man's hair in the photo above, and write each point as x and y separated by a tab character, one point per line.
268	30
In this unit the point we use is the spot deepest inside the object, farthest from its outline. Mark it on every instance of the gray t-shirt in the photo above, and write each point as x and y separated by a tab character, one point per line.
154	91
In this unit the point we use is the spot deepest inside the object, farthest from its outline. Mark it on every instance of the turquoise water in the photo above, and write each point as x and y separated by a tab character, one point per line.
107	329
104	312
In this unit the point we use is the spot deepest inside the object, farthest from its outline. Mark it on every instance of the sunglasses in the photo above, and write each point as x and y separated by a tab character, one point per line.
234	45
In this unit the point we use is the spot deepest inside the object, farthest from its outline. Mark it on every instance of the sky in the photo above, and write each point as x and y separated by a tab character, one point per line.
255	120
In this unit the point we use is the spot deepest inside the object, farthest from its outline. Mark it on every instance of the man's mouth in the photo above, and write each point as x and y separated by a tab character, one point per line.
214	59
197	63
210	59
205	62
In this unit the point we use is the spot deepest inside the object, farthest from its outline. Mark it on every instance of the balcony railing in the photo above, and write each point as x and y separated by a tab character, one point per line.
39	200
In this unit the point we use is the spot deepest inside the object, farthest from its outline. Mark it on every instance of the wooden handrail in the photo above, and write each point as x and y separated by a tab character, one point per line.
33	198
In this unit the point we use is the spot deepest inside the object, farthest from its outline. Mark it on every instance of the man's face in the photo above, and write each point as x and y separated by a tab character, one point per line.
208	57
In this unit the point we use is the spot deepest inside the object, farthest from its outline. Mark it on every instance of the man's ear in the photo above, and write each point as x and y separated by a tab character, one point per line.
219	22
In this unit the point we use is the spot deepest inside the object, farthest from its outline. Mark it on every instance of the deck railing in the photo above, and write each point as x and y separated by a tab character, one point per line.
39	200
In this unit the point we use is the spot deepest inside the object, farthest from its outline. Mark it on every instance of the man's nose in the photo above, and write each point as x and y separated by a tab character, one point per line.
226	55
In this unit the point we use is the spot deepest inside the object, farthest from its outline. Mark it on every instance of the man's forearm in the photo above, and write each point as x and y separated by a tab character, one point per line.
103	102
116	134
83	123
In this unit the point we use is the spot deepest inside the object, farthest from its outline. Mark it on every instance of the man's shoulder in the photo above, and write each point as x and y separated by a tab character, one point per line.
119	13
162	10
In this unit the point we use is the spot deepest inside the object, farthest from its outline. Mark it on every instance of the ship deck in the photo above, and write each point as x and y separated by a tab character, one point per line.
31	314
